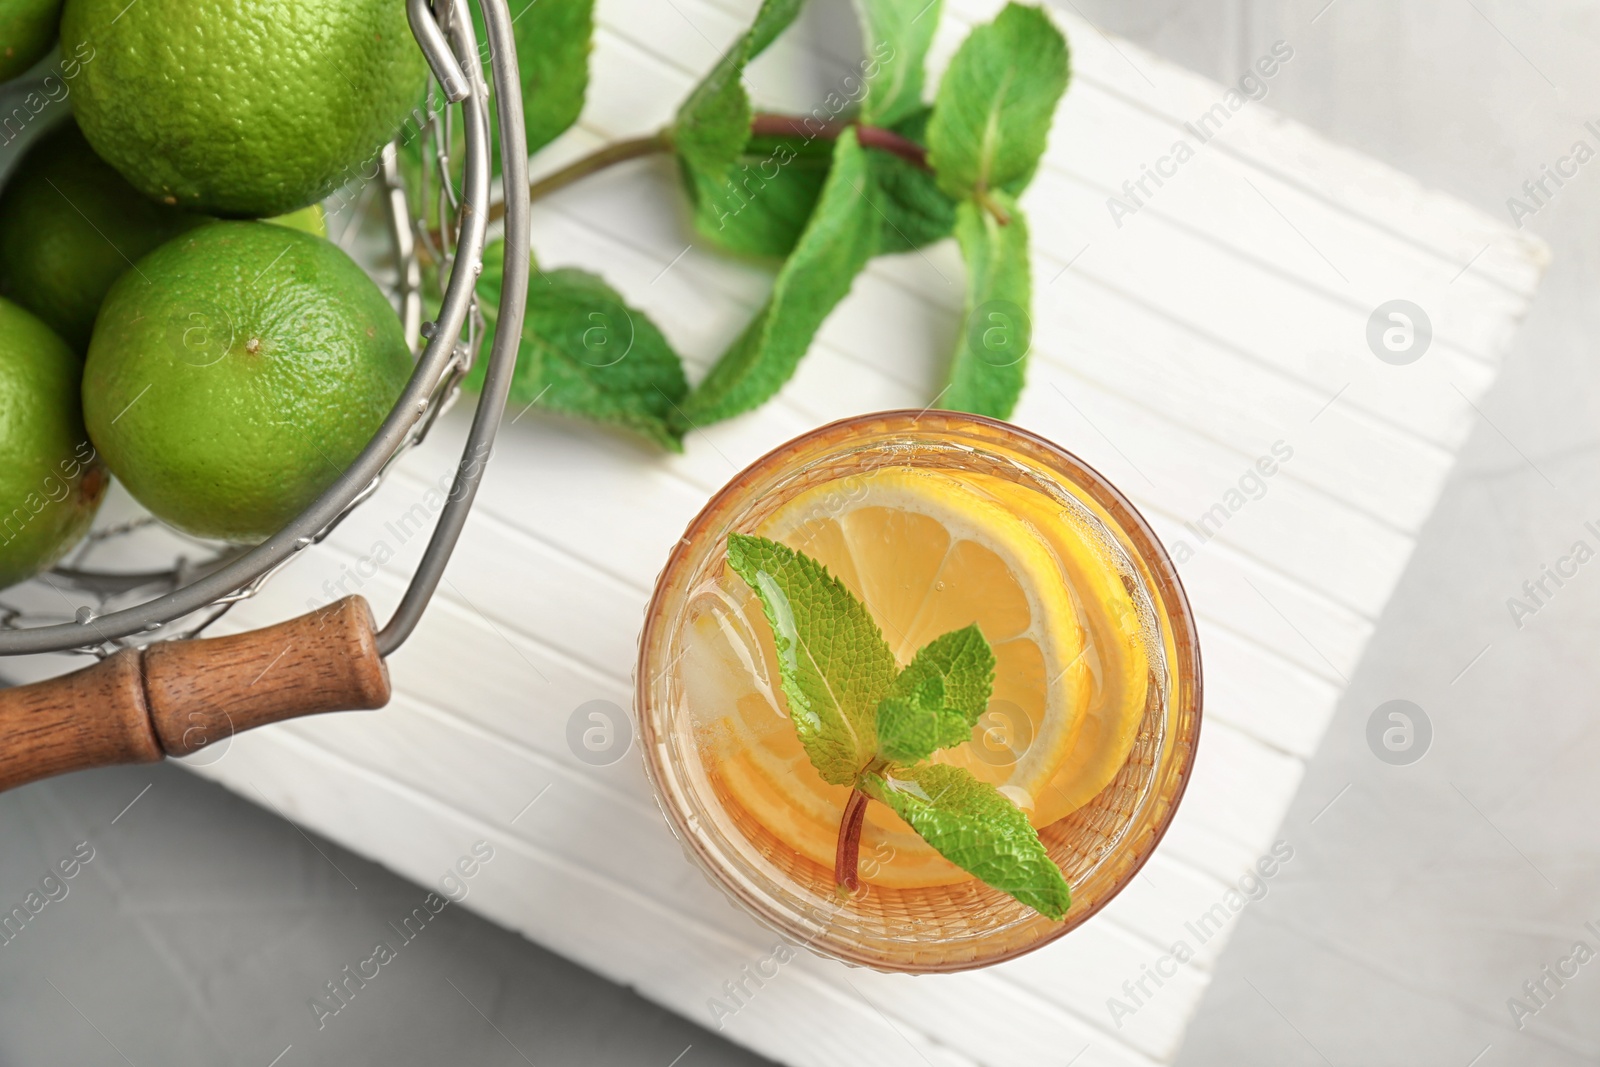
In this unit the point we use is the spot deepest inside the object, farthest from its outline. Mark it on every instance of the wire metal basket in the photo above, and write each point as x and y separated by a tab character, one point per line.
139	617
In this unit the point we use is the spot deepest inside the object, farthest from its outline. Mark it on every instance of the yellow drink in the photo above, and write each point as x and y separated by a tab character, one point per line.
935	522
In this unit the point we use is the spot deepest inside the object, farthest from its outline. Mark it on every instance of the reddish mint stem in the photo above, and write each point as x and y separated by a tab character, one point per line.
763	125
766	125
847	858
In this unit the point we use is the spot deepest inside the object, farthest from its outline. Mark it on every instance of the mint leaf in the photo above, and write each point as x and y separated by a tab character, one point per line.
554	38
897	34
936	701
773	18
840	237
973	825
585	352
908	727
713	125
991	360
771	190
913	211
996	102
835	665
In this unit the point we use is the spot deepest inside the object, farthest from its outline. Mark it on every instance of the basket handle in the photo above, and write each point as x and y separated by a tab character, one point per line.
175	698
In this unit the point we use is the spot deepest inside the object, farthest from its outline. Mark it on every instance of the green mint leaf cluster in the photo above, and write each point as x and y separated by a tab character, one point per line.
872	170
770	195
867	724
984	138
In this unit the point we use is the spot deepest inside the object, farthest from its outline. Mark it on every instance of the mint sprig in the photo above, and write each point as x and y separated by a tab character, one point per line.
872	169
936	701
870	725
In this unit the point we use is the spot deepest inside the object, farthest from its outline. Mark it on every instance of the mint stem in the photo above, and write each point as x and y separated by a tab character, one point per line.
847	858
763	125
989	204
608	156
768	125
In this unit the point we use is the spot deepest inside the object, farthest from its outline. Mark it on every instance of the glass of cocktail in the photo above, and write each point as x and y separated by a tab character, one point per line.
934	521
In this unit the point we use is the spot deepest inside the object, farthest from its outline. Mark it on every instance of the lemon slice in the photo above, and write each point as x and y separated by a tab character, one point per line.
927	554
1119	658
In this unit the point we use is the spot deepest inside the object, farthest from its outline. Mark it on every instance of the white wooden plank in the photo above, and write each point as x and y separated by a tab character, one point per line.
1310	538
1219	201
1157	363
1233	591
493	678
1225	823
1258	318
1165	904
1011	1024
1093	979
421	748
1263	694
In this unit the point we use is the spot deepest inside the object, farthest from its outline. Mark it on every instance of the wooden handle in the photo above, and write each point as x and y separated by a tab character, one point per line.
175	698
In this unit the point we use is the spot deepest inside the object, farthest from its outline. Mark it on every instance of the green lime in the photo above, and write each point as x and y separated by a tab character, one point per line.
236	374
69	227
27	30
248	107
50	480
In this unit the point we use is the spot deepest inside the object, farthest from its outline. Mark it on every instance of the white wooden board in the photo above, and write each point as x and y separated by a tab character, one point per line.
1227	315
